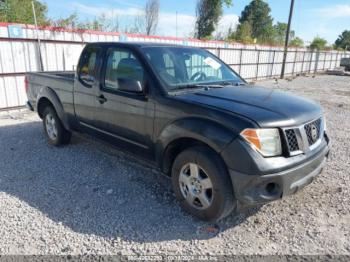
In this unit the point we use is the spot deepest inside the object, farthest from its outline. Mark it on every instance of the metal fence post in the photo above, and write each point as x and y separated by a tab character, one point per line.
63	60
316	62
240	61
257	65
273	63
324	60
331	60
3	80
336	59
331	63
14	68
302	64
312	54
295	60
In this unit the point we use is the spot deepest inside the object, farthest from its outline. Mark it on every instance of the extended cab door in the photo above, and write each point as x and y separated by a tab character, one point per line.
124	115
86	83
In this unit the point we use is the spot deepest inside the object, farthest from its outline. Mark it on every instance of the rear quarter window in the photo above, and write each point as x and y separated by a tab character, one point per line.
88	65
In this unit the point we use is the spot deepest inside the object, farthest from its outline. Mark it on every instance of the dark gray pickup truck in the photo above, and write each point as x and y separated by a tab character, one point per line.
225	144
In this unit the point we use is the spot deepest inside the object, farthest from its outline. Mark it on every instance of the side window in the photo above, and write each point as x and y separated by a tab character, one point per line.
88	65
121	65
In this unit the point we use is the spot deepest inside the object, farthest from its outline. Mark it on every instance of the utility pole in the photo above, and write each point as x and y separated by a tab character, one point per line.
38	37
287	39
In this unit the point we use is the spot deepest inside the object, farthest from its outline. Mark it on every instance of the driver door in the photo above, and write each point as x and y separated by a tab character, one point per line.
124	115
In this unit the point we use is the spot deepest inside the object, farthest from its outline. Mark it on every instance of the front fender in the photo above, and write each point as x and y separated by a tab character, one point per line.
204	130
50	94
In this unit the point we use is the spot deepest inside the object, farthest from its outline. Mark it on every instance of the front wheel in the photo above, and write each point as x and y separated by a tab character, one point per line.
202	185
54	130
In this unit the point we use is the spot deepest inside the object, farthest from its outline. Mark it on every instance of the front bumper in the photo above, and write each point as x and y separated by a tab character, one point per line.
252	190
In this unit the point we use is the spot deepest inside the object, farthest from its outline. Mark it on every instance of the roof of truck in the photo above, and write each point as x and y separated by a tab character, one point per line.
140	44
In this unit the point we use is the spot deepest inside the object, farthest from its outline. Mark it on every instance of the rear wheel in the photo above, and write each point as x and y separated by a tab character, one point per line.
202	185
54	130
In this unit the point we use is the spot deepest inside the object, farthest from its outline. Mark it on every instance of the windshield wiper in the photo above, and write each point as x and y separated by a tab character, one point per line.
207	86
195	86
182	87
228	83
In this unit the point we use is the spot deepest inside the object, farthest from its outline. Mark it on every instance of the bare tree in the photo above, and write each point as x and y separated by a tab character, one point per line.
151	16
114	23
137	26
109	23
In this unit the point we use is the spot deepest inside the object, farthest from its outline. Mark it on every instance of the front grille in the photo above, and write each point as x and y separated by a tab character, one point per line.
303	138
313	131
292	140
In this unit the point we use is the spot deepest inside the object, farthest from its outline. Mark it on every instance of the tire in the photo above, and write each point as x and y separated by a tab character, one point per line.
54	131
218	201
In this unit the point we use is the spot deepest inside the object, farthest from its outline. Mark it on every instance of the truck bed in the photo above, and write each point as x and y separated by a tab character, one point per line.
62	82
52	75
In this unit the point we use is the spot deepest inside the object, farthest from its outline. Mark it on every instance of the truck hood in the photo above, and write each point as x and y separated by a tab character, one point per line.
267	107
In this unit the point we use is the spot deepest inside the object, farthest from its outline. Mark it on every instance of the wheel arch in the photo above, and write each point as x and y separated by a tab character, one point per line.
186	133
42	104
48	97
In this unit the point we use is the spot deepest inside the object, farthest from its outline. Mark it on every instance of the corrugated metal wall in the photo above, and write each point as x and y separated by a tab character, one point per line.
60	50
258	63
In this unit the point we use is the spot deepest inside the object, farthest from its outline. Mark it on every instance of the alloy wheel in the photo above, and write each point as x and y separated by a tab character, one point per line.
196	186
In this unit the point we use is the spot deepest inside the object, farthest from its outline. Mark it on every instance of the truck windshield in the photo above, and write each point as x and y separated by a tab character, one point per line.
182	67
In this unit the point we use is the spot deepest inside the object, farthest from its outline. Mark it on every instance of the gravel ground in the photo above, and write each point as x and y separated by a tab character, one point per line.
89	198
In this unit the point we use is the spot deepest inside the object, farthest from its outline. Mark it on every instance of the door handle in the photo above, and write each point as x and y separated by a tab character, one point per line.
102	99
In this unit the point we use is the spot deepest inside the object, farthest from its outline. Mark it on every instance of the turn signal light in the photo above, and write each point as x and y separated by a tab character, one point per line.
267	141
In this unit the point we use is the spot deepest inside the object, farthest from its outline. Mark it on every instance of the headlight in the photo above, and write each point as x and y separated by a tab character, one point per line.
266	141
324	123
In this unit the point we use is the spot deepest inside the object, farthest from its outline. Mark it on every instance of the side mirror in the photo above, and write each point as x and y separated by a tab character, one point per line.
87	79
130	85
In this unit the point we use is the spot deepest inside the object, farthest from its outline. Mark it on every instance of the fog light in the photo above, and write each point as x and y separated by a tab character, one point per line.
271	188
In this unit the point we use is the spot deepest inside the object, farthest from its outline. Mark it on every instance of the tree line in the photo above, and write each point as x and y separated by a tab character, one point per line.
20	11
256	24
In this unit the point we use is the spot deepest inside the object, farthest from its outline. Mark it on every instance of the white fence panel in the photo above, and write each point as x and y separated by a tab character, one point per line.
60	50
